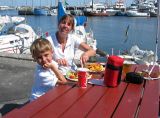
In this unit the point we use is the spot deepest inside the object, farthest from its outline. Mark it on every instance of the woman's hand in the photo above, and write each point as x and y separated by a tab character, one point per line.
62	62
88	51
84	58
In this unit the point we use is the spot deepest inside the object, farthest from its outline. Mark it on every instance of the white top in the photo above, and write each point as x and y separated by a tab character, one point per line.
44	80
73	42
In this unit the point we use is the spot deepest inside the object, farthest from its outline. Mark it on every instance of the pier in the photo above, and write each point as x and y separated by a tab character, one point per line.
16	76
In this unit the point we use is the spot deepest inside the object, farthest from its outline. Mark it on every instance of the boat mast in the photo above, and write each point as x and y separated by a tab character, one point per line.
40	3
92	5
158	29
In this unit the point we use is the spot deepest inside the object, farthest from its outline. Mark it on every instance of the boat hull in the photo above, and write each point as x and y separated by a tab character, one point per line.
137	14
153	14
95	14
24	12
40	11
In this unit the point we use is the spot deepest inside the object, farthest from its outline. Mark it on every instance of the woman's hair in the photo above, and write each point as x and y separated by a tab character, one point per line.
40	45
68	17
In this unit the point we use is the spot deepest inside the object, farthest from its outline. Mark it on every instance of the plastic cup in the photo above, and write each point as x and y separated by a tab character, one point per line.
82	77
126	68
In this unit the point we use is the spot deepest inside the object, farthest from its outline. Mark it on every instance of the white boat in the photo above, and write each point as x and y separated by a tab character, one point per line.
6	8
112	11
18	39
136	13
7	22
13	19
146	5
95	9
119	4
53	12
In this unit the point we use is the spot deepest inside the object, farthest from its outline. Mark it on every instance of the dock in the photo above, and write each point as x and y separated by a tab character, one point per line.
16	76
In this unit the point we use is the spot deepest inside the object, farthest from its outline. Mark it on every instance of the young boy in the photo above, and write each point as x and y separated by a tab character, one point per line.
46	73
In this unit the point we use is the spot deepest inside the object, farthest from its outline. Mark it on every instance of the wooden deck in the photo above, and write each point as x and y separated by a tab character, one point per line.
69	101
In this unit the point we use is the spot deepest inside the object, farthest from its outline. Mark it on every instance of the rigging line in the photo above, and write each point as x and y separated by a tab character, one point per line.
126	34
127	30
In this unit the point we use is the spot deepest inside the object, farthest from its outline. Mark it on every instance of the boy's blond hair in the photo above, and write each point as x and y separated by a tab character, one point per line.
40	45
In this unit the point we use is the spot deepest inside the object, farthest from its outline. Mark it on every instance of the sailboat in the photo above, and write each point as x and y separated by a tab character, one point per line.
7	22
18	39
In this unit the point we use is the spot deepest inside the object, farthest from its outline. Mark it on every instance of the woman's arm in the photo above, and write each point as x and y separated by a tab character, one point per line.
88	52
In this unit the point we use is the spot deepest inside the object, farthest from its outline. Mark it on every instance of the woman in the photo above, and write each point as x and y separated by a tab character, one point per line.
65	43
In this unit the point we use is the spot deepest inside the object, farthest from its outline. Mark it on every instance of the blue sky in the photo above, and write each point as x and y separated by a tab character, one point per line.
49	2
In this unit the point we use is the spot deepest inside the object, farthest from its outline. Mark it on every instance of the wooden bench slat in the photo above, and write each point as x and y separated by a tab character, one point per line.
57	107
81	108
104	108
129	104
149	107
32	108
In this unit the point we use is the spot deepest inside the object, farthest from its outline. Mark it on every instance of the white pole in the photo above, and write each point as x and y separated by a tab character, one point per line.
157	37
158	30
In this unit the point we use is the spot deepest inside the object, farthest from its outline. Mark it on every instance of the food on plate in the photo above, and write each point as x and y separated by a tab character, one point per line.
95	67
72	75
155	75
152	75
145	74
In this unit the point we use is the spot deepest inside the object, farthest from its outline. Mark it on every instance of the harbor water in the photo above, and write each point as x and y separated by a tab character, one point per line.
113	34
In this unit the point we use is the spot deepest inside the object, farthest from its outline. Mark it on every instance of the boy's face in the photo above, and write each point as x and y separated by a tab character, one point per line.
44	57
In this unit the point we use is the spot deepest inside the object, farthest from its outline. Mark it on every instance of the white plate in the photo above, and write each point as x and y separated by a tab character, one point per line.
67	77
102	64
74	79
151	78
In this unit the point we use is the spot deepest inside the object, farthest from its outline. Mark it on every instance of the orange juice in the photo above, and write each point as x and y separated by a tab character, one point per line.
126	68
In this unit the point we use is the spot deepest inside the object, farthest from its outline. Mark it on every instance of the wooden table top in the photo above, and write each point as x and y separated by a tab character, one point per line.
69	101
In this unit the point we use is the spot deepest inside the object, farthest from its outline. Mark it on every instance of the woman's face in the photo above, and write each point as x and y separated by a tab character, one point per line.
44	57
65	26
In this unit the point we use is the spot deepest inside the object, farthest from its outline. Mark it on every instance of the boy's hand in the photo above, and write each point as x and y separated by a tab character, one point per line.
61	78
48	65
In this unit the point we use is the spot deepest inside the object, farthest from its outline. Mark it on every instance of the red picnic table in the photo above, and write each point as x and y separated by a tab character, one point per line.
69	101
